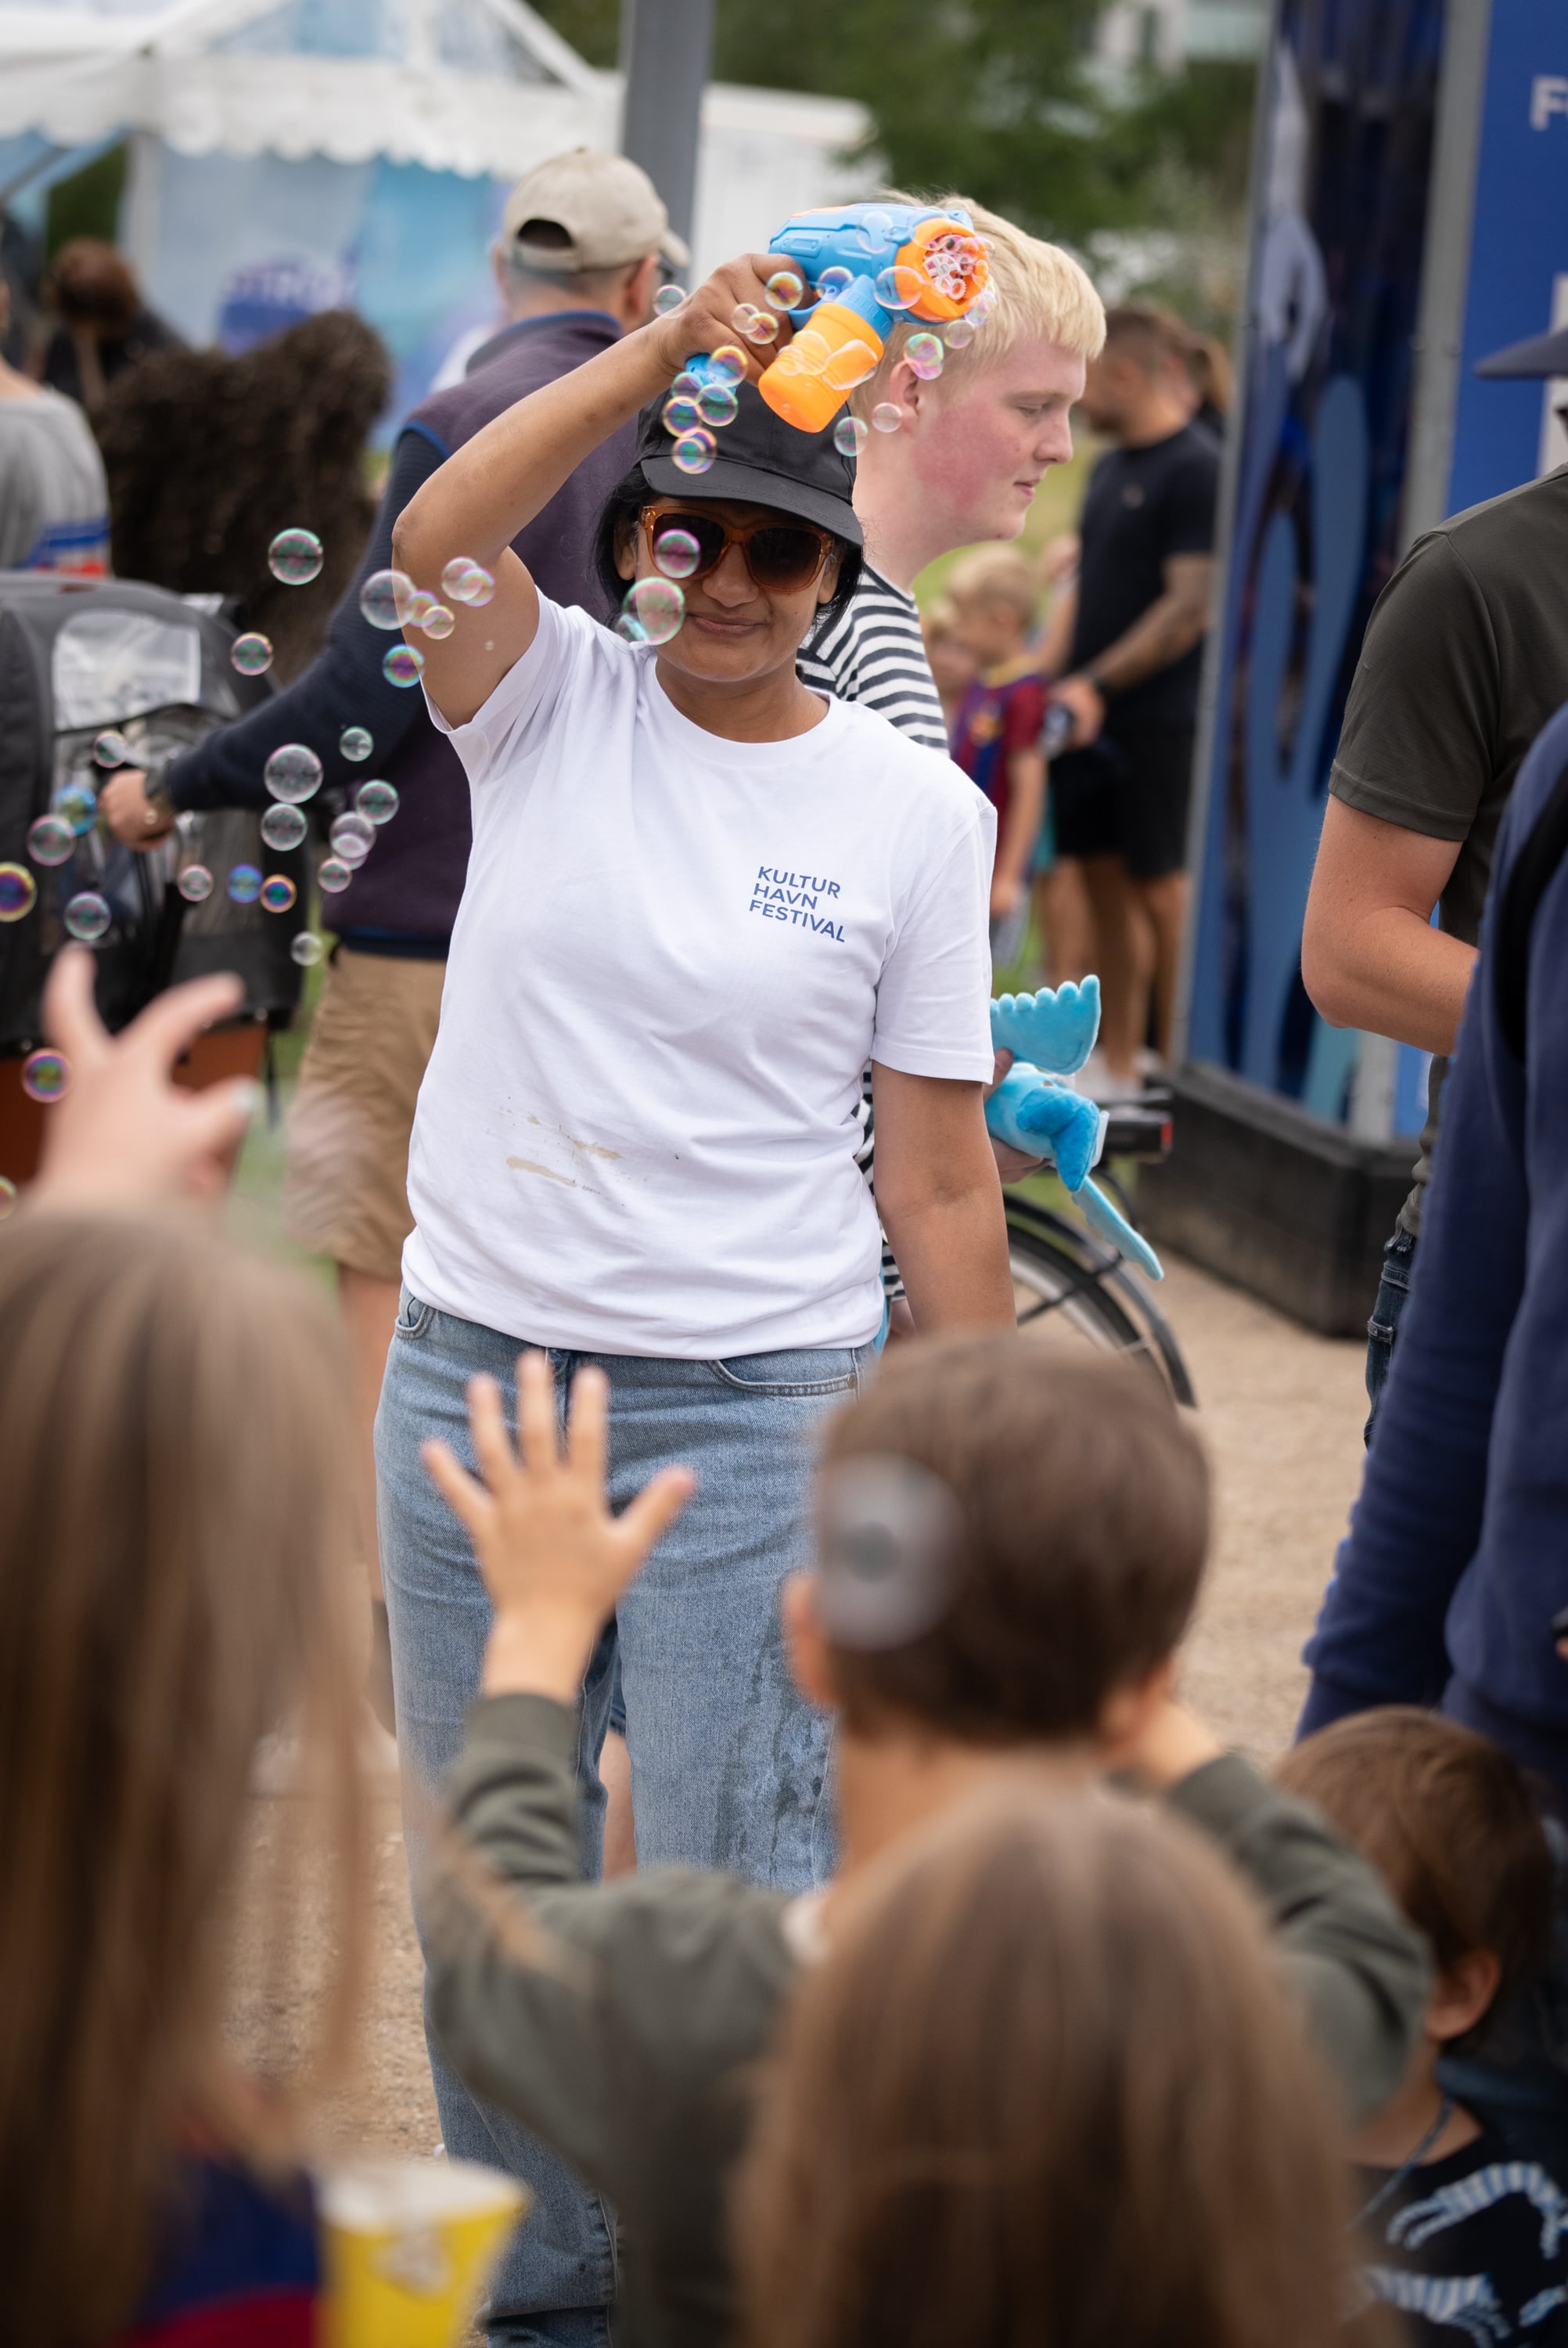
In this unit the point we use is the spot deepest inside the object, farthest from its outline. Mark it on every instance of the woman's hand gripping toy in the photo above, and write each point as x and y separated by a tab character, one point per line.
1050	1034
843	278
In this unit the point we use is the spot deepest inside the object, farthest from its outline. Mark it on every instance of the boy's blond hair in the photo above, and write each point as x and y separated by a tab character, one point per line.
995	574
1036	288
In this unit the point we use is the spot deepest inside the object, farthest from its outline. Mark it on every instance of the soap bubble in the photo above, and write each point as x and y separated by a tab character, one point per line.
18	892
832	282
853	363
480	585
959	334
727	365
924	355
76	804
745	315
849	436
875	226
438	621
295	557
352	837
652	611
421	603
278	892
306	949
886	416
377	800
8	1197
252	655
677	554
87	916
245	883
195	884
283	827
687	385
668	298
294	772
384	598
111	749
756	325
786	289
808	354
50	839
403	666
45	1075
460	577
333	875
693	453
355	744
718	405
899	287
681	415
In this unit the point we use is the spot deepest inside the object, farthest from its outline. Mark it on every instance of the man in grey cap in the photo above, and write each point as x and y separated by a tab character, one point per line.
1465	658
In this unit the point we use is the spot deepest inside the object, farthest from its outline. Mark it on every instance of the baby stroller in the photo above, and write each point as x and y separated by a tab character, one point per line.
78	659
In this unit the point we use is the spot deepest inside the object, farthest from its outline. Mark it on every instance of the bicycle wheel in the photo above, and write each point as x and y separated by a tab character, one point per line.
1063	1279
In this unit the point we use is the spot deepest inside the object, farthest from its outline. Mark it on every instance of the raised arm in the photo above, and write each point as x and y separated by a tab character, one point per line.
496	484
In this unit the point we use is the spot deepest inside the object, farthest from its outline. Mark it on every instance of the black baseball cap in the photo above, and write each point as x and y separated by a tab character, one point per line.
1541	355
759	461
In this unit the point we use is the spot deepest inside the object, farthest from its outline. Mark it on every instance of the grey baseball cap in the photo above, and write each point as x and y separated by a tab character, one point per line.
608	206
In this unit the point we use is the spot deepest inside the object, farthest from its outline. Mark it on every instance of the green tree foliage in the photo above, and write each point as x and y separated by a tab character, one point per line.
1000	98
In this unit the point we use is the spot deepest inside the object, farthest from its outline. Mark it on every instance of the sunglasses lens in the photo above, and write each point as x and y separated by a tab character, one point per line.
784	558
685	545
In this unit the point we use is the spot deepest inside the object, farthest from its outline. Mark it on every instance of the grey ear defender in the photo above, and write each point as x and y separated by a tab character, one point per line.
889	1533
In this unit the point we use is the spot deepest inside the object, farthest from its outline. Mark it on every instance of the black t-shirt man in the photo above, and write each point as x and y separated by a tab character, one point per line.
1464	660
1128	795
1144	506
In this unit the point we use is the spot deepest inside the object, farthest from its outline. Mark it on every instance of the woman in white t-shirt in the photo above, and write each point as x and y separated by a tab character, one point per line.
700	897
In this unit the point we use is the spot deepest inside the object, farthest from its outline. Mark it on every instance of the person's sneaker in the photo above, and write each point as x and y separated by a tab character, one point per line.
1096	1079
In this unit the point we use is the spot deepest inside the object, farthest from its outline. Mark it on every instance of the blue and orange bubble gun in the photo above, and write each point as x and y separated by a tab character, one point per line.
886	261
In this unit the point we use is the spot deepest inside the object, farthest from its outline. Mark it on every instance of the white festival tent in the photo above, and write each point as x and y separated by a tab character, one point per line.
288	154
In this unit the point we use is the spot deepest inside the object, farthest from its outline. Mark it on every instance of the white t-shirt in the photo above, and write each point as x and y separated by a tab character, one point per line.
673	956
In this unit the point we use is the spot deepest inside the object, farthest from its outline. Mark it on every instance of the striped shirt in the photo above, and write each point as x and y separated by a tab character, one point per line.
873	653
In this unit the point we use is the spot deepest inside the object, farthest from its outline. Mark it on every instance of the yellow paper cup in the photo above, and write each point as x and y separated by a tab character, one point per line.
408	2246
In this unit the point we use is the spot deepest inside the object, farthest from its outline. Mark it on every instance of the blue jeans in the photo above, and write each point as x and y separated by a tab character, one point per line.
1398	1260
728	1762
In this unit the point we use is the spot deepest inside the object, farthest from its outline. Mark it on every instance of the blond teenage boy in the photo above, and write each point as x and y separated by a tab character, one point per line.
961	464
1010	1545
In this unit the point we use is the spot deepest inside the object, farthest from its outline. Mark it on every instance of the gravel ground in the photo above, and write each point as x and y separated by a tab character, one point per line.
1281	1412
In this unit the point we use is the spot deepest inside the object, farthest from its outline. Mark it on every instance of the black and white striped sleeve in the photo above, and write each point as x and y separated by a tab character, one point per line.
873	653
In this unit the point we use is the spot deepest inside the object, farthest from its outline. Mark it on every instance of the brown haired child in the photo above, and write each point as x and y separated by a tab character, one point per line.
1461	2231
1009	1544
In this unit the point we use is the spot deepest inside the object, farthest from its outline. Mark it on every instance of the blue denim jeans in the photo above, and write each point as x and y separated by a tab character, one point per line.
1399	1260
728	1763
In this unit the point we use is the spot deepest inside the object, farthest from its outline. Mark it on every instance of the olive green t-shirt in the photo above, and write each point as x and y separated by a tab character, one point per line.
1465	659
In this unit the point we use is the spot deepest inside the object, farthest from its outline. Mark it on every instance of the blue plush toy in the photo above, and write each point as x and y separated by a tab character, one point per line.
1050	1034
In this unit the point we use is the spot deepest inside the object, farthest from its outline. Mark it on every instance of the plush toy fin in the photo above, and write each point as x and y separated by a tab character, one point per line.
1100	1216
1054	1030
1040	1118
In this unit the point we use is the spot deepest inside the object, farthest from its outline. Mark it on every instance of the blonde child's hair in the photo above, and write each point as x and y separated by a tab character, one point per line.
940	621
1037	289
995	574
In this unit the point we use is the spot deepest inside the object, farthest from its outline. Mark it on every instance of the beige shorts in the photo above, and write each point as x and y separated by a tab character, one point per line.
345	1188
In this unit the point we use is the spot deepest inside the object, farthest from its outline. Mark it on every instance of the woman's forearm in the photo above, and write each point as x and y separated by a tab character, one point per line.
952	1254
494	484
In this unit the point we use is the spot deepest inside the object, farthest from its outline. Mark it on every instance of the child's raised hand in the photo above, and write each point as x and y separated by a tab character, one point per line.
553	1558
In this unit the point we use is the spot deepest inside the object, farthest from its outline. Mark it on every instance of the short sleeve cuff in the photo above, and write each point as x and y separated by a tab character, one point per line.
1393	806
961	1066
